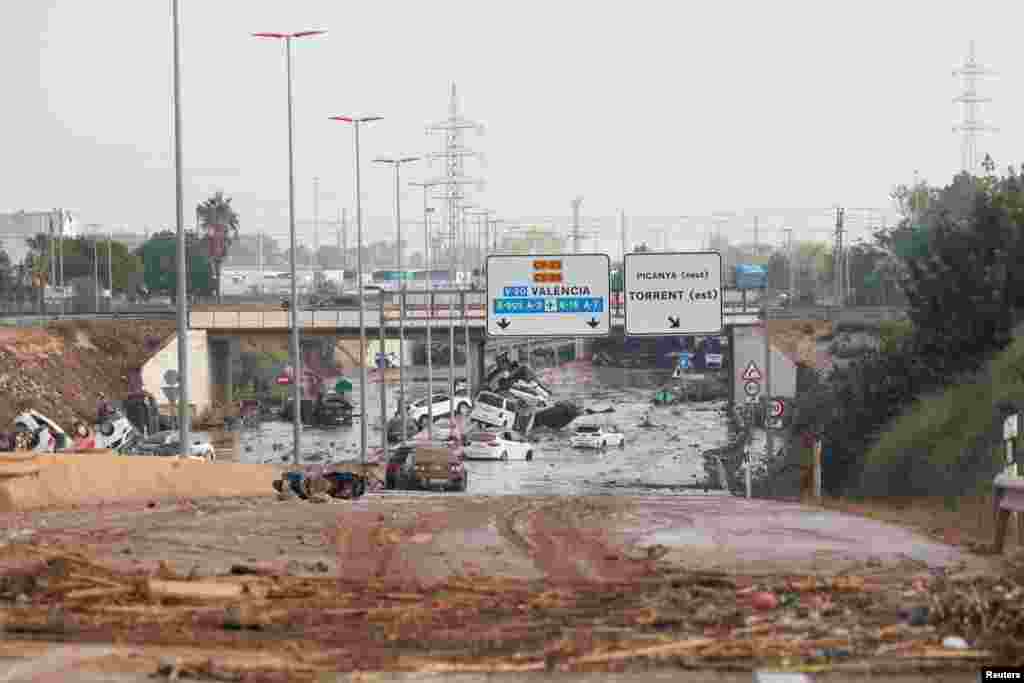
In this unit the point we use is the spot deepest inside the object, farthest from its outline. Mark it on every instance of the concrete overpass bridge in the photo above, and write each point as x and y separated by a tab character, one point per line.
231	330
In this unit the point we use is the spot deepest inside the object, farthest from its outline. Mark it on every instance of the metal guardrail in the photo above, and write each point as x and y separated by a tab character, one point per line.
347	319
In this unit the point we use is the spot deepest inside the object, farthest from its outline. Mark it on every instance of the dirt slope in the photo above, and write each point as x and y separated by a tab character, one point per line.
59	369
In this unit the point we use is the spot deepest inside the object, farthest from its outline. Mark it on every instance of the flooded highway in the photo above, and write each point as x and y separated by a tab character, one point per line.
663	458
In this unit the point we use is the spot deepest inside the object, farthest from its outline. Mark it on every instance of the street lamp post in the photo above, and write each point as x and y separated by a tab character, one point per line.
179	210
355	121
397	163
427	210
295	350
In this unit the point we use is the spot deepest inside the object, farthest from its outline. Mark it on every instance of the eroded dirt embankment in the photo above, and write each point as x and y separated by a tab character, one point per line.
58	369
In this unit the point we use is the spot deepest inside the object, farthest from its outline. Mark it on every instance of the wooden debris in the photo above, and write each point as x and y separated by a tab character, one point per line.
194	590
653	651
99	593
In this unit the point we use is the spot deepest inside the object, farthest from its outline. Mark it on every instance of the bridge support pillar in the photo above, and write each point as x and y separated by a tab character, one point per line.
478	364
225	353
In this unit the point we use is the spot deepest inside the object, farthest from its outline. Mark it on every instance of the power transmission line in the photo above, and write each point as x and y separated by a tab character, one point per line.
971	125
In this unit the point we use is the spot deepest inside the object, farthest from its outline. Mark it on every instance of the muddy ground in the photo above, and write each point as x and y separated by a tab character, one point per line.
289	590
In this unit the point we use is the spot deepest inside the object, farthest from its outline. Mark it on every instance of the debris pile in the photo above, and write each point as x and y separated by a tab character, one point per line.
307	625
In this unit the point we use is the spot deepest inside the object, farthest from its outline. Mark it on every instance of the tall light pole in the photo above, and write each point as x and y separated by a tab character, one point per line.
792	273
576	224
110	268
316	231
295	350
355	121
397	162
179	213
427	210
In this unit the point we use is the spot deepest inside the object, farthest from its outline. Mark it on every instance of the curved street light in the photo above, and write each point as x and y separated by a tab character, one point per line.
356	122
294	317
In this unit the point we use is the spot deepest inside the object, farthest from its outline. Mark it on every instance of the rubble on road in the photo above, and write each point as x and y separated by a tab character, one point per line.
306	625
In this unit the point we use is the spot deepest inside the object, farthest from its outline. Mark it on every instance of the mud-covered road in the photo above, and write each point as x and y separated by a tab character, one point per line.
665	458
287	590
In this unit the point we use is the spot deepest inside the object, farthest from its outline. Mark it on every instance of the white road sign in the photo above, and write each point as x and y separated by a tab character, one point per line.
752	388
673	294
551	295
1011	427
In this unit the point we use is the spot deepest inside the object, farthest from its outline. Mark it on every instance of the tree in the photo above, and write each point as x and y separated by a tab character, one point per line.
963	291
8	276
86	257
220	222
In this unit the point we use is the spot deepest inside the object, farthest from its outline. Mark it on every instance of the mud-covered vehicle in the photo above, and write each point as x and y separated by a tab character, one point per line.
438	465
340	483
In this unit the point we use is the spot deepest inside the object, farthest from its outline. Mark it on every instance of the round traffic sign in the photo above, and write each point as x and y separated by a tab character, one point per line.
752	388
778	407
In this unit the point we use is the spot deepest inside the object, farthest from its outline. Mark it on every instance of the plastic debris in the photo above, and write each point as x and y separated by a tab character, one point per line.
764	600
954	643
915	616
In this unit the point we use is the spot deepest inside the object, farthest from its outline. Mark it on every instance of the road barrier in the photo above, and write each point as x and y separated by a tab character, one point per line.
71	479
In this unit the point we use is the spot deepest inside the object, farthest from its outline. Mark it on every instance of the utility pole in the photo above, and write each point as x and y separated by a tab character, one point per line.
769	432
316	228
837	258
343	239
96	269
971	125
576	248
259	252
792	272
757	244
110	266
622	236
576	224
453	153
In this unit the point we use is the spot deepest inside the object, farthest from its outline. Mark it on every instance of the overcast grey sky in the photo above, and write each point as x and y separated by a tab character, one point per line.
661	108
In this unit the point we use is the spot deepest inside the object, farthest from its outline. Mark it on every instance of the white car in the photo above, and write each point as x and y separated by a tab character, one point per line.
165	443
597	436
531	394
487	445
419	411
493	410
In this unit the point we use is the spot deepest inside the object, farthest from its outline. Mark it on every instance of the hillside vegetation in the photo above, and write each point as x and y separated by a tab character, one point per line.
950	442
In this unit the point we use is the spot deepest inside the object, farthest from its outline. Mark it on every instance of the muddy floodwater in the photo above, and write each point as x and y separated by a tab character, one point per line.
663	459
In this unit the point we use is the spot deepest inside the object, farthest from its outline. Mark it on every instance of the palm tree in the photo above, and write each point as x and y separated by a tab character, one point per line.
220	222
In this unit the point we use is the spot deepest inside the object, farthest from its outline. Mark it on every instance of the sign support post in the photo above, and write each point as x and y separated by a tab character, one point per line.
817	469
1011	430
769	394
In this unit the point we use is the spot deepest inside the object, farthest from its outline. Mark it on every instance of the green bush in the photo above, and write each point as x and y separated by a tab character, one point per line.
892	334
949	442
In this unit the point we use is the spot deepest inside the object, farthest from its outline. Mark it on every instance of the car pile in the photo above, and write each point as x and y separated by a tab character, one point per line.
515	398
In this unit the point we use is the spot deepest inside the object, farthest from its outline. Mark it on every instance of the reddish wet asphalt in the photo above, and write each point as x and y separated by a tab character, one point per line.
723	531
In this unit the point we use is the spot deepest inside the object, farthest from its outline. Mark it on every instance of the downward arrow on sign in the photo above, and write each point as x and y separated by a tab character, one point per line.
673	321
593	323
503	323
